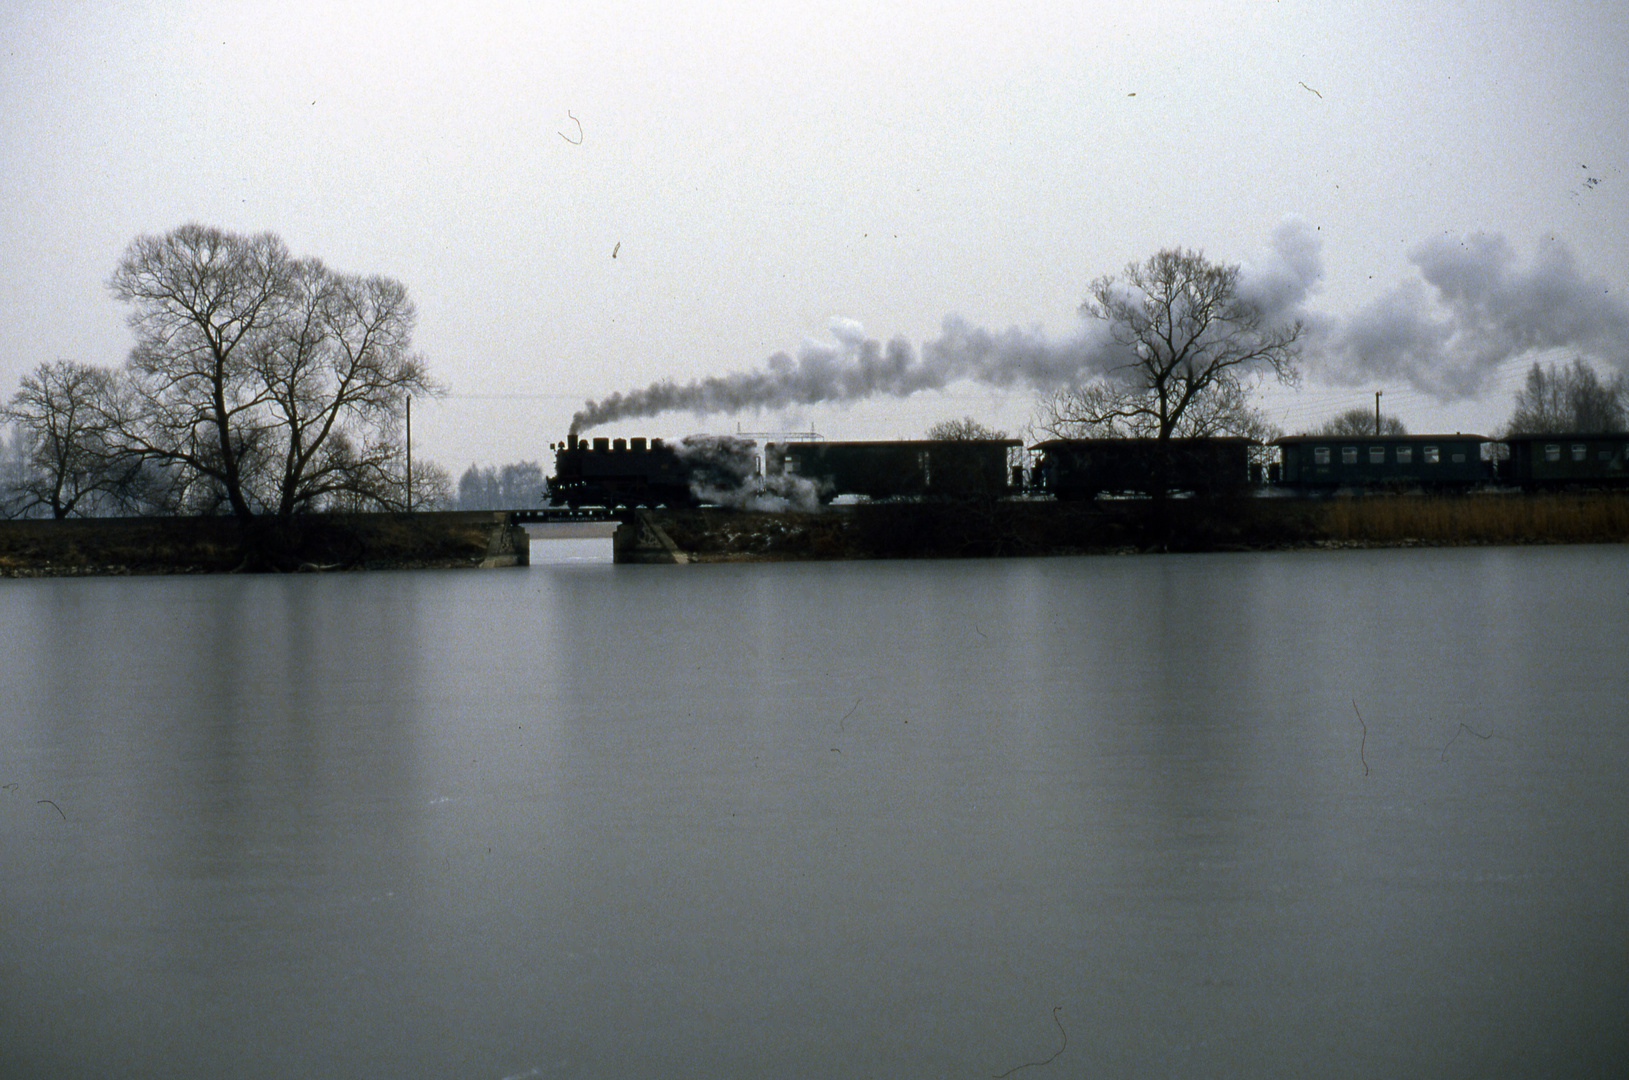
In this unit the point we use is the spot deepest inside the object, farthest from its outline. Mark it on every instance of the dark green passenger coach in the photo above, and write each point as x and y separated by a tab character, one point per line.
1565	460
1312	462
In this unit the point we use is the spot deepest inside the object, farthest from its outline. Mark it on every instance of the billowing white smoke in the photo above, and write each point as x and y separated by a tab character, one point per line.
1473	308
724	472
1281	279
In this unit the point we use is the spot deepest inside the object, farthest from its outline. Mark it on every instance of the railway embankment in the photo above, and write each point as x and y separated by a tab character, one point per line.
30	548
1039	528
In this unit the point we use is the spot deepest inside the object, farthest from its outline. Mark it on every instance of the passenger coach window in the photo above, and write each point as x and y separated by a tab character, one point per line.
1405	455
1377	455
1348	455
1579	451
1320	455
1432	455
1552	452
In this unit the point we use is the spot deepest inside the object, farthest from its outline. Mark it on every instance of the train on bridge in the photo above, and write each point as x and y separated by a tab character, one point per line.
608	473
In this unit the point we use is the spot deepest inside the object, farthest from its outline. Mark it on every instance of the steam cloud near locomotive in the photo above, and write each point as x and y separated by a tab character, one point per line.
717	470
1474	306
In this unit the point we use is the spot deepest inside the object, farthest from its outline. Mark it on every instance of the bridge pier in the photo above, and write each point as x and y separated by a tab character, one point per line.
507	545
640	540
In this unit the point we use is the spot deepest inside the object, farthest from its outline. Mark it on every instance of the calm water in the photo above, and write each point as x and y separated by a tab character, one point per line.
1350	814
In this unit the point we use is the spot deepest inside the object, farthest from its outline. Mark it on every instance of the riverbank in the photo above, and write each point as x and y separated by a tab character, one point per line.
99	546
215	545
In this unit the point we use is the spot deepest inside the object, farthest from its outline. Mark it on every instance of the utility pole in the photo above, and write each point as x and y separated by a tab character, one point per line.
410	452
1376	413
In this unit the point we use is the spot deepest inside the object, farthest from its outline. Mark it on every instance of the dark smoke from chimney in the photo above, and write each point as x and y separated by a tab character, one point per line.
856	367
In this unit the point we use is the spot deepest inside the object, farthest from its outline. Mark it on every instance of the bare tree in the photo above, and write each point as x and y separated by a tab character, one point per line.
386	489
432	487
205	302
61	416
275	384
1361	420
1192	348
966	429
1541	404
1569	400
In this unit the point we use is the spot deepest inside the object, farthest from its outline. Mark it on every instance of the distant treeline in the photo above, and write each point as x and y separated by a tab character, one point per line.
519	486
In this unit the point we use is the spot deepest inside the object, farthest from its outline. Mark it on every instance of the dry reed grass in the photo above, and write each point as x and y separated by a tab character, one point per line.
1592	518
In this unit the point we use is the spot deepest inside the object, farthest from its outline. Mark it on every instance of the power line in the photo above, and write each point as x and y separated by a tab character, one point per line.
509	397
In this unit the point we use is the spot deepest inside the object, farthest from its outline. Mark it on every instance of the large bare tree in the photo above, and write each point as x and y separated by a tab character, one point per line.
275	382
1192	347
205	301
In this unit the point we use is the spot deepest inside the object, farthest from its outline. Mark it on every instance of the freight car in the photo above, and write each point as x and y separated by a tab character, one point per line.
1559	461
612	472
914	469
1071	469
1314	463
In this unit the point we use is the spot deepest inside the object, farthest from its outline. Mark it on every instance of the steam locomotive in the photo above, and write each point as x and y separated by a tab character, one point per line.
621	472
640	472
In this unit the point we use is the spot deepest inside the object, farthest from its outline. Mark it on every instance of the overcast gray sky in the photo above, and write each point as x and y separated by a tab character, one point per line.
1438	188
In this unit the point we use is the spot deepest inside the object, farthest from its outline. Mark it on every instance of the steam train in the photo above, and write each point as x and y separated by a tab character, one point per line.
649	472
640	472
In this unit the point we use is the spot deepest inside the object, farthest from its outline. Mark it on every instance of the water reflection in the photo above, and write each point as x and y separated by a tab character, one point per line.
229	751
823	820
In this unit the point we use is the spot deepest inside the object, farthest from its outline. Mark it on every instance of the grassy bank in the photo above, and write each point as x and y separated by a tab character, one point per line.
221	545
1478	519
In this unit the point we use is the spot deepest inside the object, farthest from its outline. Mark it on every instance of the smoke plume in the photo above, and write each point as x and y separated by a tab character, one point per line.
1473	307
854	367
